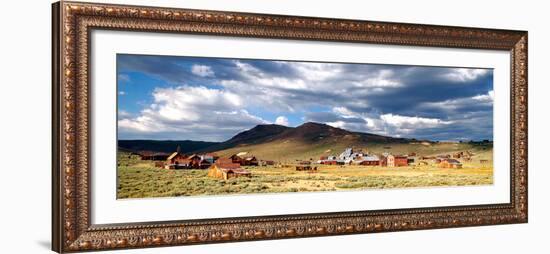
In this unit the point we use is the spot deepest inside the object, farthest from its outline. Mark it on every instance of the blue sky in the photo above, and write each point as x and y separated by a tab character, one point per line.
212	99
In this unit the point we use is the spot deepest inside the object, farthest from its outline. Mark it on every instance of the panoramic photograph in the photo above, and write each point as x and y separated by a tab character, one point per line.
194	126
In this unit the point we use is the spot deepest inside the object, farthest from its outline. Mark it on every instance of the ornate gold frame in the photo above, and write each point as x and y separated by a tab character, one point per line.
71	226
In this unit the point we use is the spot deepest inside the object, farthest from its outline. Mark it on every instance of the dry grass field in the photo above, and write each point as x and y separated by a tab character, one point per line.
140	179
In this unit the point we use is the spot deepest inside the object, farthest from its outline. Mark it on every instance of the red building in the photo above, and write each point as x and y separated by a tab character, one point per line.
176	160
397	161
246	160
370	163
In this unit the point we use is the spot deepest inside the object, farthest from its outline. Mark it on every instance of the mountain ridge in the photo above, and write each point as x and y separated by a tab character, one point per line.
308	133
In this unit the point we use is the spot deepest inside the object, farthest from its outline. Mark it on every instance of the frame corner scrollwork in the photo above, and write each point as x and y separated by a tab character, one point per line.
72	229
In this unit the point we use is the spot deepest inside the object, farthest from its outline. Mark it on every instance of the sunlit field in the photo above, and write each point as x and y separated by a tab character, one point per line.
141	179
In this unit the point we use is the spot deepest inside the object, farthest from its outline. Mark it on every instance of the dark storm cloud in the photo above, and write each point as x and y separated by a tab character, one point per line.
423	87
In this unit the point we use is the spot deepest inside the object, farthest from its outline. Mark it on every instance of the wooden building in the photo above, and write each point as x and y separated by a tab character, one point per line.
176	160
204	164
194	161
369	163
244	160
369	160
152	156
226	169
332	162
305	168
396	161
450	163
269	163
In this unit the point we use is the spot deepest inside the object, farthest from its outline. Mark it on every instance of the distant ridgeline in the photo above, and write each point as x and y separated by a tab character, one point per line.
307	133
164	146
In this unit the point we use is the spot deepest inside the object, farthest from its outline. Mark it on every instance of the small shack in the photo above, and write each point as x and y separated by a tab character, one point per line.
331	162
305	168
268	163
450	163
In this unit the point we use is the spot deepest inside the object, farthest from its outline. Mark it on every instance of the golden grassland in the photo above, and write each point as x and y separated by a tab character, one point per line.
140	179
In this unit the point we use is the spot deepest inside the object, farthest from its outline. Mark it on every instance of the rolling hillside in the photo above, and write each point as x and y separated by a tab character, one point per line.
260	134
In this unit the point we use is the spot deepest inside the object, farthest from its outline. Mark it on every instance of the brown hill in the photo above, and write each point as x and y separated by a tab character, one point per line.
308	141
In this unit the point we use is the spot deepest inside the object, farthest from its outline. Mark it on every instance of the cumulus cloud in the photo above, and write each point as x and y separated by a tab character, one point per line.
412	121
199	113
465	74
489	97
384	78
202	70
281	120
384	124
480	102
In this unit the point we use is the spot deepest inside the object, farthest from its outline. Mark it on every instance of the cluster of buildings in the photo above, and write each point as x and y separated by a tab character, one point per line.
178	160
231	167
351	157
223	168
448	161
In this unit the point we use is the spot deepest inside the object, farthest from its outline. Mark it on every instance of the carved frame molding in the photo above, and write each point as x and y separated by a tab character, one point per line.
71	226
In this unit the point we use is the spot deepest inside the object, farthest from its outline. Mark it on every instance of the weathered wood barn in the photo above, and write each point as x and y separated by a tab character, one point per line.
177	160
397	160
450	163
226	169
194	160
152	156
369	160
244	160
305	168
